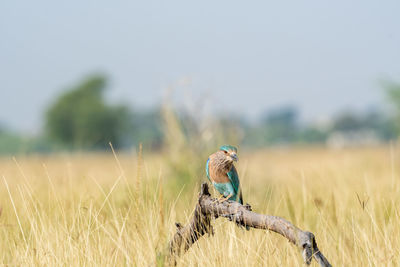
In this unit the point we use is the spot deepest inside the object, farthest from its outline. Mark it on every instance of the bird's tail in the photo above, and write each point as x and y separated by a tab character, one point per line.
240	197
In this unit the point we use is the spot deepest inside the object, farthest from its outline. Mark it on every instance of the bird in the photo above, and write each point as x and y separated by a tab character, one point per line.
223	175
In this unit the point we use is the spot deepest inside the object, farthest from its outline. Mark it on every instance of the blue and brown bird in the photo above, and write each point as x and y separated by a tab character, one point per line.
223	175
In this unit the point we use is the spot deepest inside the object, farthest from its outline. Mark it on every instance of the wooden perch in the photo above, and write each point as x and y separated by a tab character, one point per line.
208	207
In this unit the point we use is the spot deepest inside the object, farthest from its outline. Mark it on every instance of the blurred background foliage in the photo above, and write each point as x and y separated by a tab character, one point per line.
82	119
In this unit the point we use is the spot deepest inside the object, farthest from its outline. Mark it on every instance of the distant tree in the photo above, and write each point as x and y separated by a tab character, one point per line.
381	123
312	135
347	121
280	125
147	128
374	120
393	94
9	142
80	118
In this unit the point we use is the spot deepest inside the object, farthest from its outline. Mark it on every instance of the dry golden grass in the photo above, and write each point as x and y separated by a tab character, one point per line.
96	210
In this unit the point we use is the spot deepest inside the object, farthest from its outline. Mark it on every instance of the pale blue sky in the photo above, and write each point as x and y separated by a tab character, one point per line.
246	56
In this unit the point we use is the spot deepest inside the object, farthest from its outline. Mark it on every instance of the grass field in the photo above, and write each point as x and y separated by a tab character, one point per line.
101	210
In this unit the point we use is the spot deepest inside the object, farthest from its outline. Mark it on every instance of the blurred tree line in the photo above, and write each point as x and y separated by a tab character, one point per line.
82	119
282	126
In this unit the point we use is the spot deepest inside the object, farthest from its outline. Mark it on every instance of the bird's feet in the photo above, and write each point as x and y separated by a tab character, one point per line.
222	198
219	200
216	200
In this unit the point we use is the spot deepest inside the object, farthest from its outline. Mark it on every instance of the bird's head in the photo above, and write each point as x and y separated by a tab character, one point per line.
230	152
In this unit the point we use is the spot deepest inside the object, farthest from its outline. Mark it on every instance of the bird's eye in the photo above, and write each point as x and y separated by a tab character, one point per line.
226	152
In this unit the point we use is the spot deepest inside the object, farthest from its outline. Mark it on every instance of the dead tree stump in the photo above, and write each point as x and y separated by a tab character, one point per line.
207	208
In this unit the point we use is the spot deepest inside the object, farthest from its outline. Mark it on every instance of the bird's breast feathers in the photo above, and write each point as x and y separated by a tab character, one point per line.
218	173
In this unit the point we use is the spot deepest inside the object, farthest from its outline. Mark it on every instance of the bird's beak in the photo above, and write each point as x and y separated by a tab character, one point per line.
234	156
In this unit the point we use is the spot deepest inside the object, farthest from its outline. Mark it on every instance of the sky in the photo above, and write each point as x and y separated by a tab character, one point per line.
239	57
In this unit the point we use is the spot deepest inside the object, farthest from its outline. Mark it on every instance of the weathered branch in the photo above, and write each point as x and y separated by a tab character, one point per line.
208	207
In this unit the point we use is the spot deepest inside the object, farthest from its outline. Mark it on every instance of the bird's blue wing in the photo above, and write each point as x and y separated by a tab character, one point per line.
207	171
234	178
